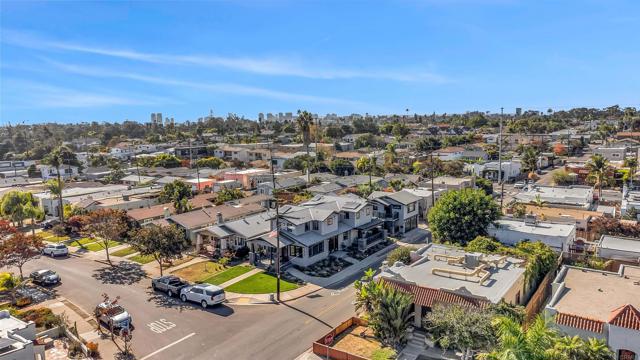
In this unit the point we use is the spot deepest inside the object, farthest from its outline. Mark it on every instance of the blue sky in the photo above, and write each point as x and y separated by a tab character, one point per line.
110	61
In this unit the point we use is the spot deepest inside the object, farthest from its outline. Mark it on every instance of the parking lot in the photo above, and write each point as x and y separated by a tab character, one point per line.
167	328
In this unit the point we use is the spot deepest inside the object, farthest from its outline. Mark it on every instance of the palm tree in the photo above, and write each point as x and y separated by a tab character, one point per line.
392	317
530	160
390	155
632	164
571	348
598	168
597	349
304	120
516	343
55	187
367	292
538	202
57	158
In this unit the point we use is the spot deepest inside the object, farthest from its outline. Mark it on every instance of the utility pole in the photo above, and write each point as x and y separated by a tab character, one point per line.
136	162
500	177
273	182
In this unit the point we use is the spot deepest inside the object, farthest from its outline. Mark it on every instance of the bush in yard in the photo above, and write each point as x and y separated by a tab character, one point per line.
224	261
402	254
459	216
59	230
242	252
42	317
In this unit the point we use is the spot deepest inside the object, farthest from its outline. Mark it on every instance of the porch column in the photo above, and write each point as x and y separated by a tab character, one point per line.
417	316
199	240
223	244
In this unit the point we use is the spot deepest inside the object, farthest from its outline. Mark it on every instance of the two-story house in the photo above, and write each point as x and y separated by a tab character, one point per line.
327	223
66	172
399	210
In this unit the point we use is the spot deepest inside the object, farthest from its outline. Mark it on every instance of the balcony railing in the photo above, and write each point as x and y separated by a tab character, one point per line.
369	241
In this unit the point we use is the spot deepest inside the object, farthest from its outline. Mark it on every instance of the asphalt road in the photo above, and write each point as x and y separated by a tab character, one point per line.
186	331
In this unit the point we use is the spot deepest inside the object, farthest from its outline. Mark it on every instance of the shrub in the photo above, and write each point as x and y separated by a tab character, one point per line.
224	261
561	177
59	230
402	254
42	317
242	252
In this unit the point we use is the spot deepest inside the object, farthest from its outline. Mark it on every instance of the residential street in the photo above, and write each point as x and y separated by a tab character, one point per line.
226	332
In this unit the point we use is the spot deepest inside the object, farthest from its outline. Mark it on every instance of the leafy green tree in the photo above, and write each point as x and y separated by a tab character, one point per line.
485	185
178	193
225	195
211	162
599	171
341	167
459	216
12	206
106	226
391	317
529	159
462	328
163	243
402	254
166	161
397	184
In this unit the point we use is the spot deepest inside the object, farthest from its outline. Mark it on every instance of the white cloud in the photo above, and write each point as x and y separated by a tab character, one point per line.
213	87
263	66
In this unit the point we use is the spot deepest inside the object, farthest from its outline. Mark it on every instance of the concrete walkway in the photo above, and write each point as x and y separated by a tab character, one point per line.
241	277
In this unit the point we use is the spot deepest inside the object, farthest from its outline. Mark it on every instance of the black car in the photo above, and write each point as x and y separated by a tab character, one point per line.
45	277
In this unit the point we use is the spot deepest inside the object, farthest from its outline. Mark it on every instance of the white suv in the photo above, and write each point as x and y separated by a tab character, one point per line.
54	250
204	294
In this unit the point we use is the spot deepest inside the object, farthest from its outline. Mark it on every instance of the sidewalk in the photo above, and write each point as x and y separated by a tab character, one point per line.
85	323
241	277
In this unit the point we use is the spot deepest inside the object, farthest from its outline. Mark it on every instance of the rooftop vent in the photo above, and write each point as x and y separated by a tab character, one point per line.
472	260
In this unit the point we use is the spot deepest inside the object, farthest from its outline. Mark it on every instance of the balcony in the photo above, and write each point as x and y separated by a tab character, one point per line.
367	242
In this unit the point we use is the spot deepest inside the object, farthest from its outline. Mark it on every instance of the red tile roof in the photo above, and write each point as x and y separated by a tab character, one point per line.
579	322
425	296
625	316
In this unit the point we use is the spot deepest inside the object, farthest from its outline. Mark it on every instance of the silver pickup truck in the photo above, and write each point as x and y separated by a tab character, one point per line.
169	284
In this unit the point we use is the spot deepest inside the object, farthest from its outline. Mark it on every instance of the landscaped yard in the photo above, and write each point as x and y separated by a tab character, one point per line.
97	246
142	259
260	284
184	259
228	274
359	340
3	277
124	252
80	242
200	271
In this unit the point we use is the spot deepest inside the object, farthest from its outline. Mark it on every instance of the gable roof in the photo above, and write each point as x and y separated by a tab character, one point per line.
625	316
402	197
579	322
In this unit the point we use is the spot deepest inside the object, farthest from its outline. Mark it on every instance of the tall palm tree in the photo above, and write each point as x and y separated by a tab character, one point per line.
598	168
392	317
390	156
530	160
57	158
632	164
516	343
55	187
304	120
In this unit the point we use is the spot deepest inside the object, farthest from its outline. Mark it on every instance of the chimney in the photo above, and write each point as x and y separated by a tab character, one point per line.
219	219
166	212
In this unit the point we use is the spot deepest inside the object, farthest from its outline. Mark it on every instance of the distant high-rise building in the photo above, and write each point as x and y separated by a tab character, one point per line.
260	117
518	111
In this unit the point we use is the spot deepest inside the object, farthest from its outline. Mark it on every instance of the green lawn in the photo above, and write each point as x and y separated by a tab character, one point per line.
57	239
228	275
97	246
80	242
260	284
142	259
124	252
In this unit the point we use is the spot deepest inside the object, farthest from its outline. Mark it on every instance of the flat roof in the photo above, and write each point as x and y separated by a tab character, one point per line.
620	243
548	229
595	294
500	281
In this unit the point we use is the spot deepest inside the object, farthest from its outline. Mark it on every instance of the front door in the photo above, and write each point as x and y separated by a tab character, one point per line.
333	243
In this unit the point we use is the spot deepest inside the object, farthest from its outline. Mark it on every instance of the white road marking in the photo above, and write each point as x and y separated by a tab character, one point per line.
168	346
160	326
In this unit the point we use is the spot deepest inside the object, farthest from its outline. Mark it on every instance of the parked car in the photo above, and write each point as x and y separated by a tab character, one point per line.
204	294
54	250
169	284
45	277
114	316
519	185
48	224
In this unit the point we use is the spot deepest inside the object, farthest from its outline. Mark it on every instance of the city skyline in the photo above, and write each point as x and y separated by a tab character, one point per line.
105	61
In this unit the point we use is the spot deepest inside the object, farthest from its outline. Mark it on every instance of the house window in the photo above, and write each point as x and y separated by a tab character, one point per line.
295	251
316	249
315	225
346	215
306	226
358	215
368	210
412	207
330	220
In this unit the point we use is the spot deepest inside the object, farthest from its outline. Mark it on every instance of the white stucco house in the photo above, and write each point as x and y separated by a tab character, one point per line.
512	231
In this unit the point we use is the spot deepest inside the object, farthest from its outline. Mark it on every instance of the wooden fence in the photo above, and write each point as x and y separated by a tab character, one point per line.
541	294
330	353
